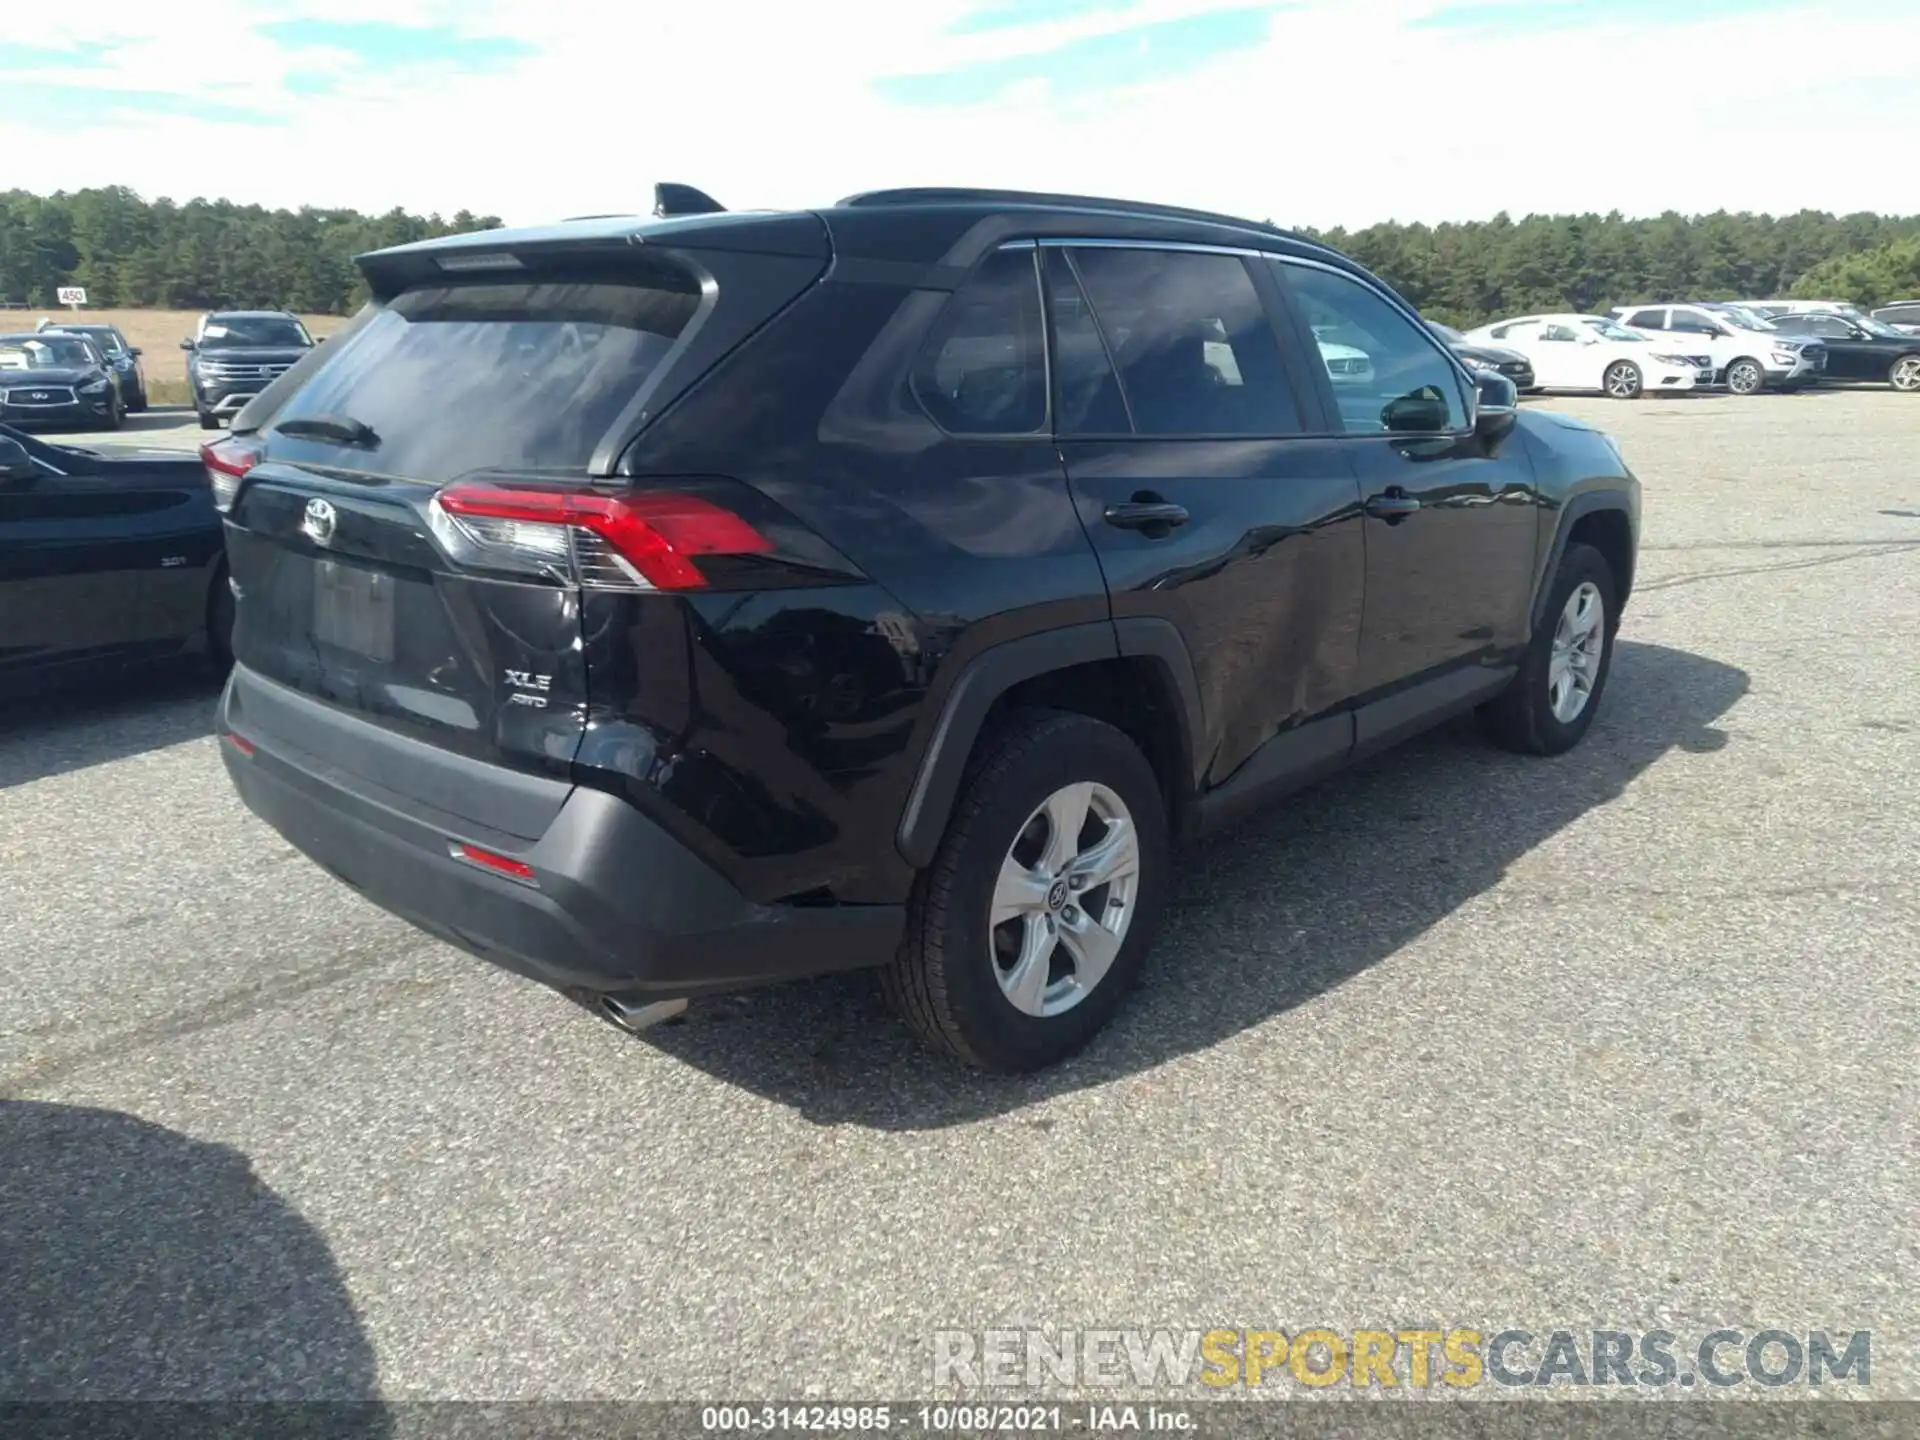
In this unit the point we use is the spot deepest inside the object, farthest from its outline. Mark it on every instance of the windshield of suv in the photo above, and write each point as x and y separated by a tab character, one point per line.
224	332
44	352
1610	331
102	337
1746	319
456	378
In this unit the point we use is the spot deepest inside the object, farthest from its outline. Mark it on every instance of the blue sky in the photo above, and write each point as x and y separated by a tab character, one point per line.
1319	111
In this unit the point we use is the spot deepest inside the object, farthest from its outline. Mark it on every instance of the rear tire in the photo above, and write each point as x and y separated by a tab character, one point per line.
209	421
1746	377
1524	716
1905	374
1622	380
1006	995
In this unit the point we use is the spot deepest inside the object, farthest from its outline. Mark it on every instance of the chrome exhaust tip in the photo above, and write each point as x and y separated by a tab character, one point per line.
633	1018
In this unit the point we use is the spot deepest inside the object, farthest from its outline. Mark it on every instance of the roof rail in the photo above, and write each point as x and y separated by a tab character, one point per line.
935	195
670	200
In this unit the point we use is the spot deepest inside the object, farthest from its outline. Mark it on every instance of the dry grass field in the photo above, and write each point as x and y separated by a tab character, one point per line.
157	334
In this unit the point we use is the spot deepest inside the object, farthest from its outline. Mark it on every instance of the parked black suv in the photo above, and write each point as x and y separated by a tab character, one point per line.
660	607
235	354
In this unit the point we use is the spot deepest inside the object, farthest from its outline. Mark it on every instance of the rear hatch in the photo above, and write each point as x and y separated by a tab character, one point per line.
411	529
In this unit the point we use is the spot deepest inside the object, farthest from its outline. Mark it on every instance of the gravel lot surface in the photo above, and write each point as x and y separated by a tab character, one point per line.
1624	1040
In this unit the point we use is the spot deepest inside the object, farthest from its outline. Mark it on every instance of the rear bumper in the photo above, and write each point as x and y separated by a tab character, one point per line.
615	905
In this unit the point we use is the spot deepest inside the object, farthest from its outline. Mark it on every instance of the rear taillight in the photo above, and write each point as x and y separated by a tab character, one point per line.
227	463
643	540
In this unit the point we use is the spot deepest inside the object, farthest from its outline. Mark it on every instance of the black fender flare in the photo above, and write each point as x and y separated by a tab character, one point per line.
996	670
1591	502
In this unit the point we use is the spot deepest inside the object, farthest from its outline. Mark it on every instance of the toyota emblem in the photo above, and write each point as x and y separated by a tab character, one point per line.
319	521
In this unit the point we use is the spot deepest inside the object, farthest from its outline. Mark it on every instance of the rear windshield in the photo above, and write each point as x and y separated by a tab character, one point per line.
232	331
474	376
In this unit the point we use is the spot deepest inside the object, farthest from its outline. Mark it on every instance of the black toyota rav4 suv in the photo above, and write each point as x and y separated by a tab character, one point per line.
663	606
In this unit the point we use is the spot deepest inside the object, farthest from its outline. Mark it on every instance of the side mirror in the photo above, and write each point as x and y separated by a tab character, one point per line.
15	463
135	351
1416	414
1496	407
186	344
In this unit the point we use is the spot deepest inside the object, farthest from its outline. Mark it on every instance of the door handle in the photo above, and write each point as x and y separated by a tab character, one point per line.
1146	515
1392	505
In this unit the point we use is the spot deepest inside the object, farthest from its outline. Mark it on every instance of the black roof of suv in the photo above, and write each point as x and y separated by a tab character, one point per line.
657	606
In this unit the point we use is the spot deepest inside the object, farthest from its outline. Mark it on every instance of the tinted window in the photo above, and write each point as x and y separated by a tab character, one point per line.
521	375
1692	323
227	331
1650	320
1831	328
1405	382
984	370
1191	339
1088	399
1901	314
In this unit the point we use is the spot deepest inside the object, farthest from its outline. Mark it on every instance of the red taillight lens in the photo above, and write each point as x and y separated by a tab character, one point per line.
646	540
227	463
486	859
240	743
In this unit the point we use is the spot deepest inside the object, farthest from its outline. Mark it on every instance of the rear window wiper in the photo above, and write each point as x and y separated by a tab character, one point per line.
341	429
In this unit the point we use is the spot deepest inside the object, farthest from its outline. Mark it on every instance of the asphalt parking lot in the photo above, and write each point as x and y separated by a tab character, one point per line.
1625	1039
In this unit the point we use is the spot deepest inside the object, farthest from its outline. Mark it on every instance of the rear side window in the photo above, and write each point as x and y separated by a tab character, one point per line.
1647	320
453	379
1191	339
1901	314
984	368
1088	400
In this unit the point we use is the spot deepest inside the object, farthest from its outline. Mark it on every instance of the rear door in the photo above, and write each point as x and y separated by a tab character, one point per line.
1201	470
1451	530
361	589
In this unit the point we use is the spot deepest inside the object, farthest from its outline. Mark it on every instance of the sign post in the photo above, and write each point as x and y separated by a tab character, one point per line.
72	296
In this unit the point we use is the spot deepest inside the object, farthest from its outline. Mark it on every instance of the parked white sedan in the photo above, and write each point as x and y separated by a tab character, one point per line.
1591	352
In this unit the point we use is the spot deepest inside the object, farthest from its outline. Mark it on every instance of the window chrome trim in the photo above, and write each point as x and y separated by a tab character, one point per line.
1089	242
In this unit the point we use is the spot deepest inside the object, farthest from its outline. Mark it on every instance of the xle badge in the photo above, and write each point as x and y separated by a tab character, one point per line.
528	688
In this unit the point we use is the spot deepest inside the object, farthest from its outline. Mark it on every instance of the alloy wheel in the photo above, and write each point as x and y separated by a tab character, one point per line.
1064	899
1906	374
1622	381
1579	643
1744	379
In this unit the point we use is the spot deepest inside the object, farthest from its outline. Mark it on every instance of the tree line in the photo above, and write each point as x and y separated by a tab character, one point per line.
204	254
129	251
1468	274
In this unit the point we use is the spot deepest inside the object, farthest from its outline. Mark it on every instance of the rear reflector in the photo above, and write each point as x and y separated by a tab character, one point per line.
227	463
644	540
240	743
486	859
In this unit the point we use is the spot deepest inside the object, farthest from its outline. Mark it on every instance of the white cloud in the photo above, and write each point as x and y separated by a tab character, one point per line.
1346	114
